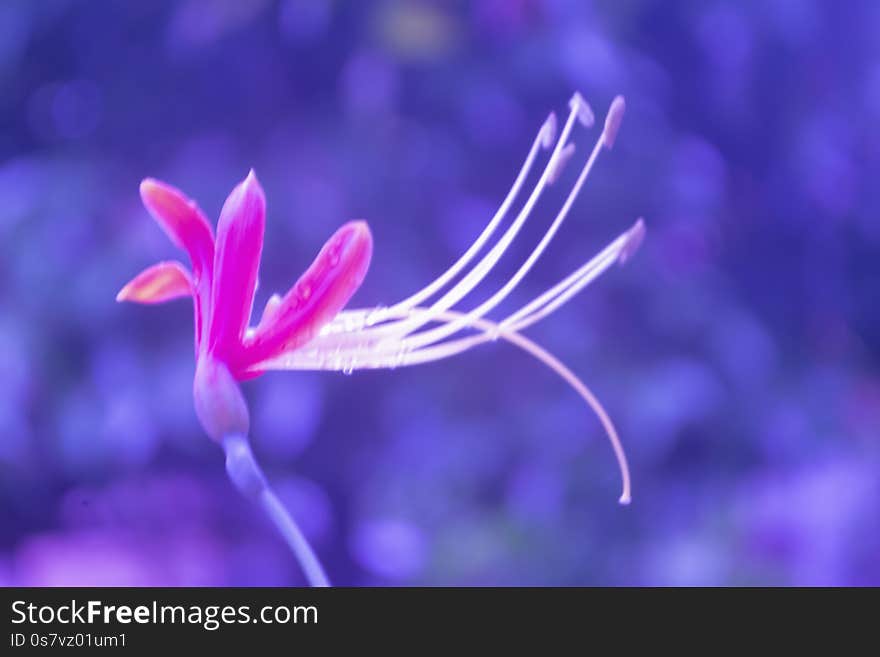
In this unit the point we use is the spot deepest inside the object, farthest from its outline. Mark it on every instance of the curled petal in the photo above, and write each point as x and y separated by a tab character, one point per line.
181	219
188	229
162	282
236	261
320	293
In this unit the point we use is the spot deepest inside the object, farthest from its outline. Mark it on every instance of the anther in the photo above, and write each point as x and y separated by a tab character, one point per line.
548	131
612	121
582	107
559	162
634	238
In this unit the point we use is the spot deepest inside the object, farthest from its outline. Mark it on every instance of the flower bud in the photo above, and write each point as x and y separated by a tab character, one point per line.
220	405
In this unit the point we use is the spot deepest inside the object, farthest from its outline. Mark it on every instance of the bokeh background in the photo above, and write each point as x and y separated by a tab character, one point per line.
739	352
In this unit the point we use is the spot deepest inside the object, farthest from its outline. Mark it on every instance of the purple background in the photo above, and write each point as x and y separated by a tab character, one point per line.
737	352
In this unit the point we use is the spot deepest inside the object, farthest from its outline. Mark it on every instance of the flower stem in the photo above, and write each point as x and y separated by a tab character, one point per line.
247	476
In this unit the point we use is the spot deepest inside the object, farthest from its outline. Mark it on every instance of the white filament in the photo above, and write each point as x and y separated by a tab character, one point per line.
342	348
399	335
544	139
479	272
428	337
309	359
389	337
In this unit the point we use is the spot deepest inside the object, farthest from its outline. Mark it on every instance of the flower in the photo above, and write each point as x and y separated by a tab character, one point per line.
307	329
223	283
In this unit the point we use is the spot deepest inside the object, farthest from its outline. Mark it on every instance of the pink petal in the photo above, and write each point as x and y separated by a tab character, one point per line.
188	228
236	261
181	219
315	299
161	282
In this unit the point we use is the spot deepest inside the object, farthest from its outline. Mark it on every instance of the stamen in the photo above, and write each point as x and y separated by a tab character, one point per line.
582	108
491	331
548	131
559	163
397	355
396	330
635	236
529	314
440	332
389	337
544	137
563	291
613	120
560	369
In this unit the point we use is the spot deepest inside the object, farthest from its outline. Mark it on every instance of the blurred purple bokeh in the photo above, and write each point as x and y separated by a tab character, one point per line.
739	351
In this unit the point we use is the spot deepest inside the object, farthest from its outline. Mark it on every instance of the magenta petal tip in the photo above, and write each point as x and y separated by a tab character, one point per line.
161	282
613	121
239	246
251	185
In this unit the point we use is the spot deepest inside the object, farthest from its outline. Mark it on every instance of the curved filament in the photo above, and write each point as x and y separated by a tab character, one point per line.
489	331
393	336
394	330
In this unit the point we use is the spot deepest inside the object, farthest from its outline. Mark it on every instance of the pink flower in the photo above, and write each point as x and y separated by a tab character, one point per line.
223	282
224	277
308	329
